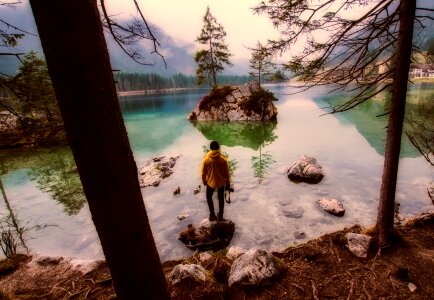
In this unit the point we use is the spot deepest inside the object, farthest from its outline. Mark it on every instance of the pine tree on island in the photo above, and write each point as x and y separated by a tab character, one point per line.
215	55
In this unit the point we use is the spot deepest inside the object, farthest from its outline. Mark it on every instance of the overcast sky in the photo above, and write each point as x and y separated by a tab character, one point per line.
183	20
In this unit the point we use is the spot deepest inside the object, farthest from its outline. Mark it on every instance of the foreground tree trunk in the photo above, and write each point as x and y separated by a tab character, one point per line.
386	209
76	52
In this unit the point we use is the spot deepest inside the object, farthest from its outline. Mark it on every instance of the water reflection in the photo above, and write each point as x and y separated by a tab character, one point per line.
245	134
370	118
12	233
57	175
419	125
10	227
180	101
253	135
261	164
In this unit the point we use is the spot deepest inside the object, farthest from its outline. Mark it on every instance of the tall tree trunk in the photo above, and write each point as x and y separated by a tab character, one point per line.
76	52
396	120
213	70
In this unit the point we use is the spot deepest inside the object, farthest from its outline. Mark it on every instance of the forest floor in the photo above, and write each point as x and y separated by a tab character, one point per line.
319	269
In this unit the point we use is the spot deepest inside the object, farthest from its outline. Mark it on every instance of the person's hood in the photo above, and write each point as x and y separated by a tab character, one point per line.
214	154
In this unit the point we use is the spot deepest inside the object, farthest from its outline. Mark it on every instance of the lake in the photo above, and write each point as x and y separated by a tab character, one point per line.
43	189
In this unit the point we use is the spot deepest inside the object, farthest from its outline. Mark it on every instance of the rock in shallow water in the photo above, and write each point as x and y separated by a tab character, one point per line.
305	169
293	211
332	206
299	235
215	235
156	169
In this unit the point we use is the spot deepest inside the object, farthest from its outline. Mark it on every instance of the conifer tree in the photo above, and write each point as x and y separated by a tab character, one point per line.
261	64
212	59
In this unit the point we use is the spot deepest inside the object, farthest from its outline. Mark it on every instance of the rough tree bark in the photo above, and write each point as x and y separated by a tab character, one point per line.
396	120
76	52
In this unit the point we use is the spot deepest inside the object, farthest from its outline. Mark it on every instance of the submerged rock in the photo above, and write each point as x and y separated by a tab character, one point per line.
305	169
332	206
247	102
254	268
293	211
156	169
299	235
182	217
358	244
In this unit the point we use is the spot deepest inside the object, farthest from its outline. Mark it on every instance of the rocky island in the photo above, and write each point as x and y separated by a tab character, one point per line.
247	102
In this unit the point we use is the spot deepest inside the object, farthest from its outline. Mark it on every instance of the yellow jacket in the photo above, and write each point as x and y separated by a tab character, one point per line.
215	169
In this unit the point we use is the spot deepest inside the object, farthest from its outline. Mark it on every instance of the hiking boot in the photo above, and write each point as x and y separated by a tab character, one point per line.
221	219
212	218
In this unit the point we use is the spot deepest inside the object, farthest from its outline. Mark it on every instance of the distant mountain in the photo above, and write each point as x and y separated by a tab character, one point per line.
425	37
179	57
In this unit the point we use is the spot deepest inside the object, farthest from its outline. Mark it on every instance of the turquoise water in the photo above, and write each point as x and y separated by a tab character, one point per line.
349	146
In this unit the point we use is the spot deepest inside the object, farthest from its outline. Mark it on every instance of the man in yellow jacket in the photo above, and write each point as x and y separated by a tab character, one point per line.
215	175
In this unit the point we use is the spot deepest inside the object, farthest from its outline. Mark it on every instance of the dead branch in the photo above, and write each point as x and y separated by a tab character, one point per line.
350	293
333	252
127	35
314	291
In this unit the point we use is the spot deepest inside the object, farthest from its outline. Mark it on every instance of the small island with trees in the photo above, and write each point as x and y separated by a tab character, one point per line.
249	102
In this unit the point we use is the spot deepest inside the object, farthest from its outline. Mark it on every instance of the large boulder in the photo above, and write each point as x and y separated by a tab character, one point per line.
247	102
156	169
254	268
305	169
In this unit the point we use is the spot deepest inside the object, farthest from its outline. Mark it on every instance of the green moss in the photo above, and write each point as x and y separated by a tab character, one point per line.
215	97
257	101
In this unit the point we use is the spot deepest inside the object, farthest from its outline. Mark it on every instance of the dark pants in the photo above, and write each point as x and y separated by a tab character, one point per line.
220	196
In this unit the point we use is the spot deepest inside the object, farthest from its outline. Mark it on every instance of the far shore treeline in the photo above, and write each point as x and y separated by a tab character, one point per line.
153	81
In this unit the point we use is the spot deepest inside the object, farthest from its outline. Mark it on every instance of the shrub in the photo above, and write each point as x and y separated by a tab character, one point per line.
215	97
257	101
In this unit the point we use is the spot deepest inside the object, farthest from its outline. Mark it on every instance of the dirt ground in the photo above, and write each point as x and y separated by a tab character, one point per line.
320	269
